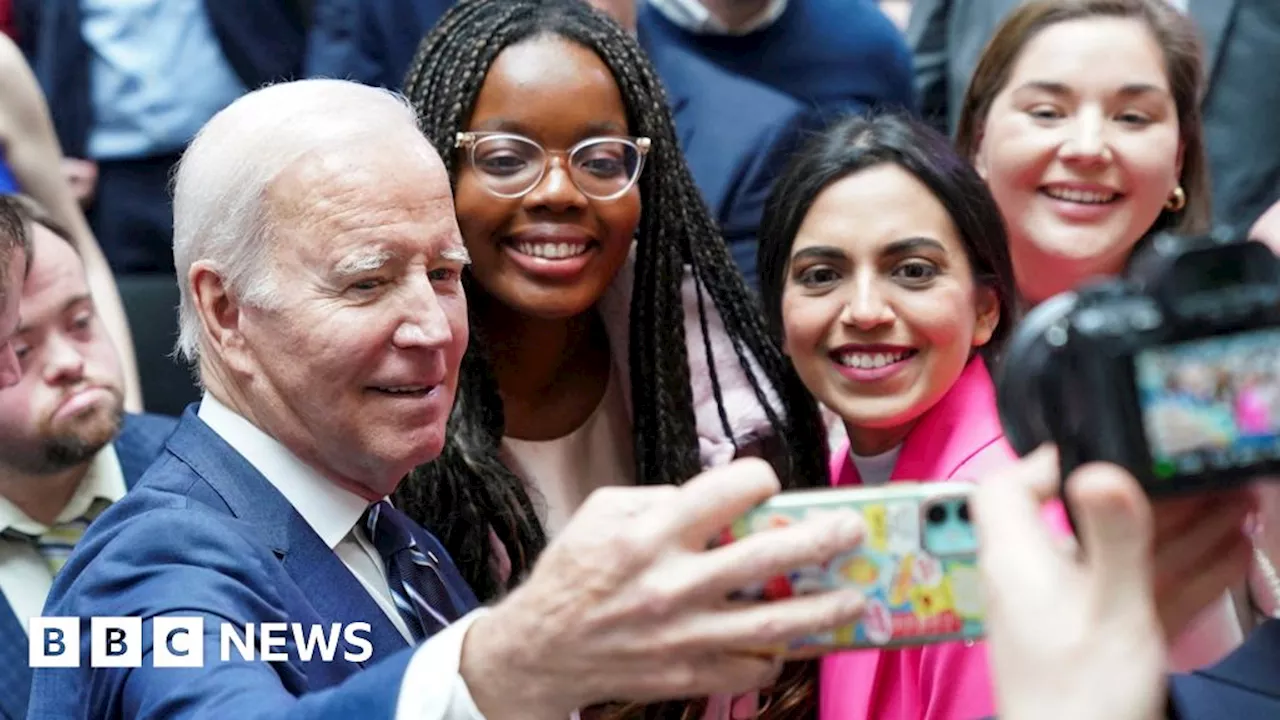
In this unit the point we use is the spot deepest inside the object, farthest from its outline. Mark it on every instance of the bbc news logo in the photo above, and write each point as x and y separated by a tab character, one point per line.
179	642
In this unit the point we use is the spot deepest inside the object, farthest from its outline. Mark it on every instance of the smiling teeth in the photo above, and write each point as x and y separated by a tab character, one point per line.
404	390
1081	196
551	251
871	360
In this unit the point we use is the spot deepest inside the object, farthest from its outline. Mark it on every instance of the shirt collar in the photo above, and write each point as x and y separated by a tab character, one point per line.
694	17
331	511
104	479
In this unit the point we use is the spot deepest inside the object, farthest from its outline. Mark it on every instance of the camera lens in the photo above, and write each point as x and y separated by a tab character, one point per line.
937	515
964	511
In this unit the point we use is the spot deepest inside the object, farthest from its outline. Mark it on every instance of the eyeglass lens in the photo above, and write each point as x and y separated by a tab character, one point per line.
513	166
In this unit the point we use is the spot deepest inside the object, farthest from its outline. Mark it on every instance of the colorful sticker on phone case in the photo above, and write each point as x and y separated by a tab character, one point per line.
909	592
903	523
966	591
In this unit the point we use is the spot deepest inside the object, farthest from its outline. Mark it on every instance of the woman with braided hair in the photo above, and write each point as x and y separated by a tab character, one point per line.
613	340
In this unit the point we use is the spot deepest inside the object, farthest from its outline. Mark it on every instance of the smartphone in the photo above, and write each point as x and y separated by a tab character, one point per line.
917	565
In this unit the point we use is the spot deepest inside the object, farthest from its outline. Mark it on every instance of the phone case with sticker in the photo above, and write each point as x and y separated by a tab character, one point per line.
916	566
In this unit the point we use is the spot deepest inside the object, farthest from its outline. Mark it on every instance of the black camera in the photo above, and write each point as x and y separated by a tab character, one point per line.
1171	371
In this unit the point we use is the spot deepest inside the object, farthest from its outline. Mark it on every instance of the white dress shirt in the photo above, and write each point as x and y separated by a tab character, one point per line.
693	16
25	577
432	688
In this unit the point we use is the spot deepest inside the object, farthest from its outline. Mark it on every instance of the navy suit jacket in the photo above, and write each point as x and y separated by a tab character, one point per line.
1243	686
140	441
838	56
263	41
737	137
736	134
205	535
369	41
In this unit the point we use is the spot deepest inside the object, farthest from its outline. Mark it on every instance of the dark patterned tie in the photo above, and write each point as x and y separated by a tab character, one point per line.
417	587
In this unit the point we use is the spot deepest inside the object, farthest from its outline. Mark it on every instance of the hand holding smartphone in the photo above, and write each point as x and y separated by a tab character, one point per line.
917	566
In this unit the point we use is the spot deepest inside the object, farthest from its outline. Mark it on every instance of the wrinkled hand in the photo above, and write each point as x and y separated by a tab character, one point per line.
82	176
1070	635
629	604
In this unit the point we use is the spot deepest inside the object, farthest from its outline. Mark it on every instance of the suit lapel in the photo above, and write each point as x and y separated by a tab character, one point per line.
1214	20
15	675
333	590
964	420
326	583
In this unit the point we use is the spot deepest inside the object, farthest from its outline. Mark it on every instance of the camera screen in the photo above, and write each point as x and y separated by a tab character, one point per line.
1211	403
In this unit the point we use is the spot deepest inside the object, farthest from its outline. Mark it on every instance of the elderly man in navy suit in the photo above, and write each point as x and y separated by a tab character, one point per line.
67	450
322	299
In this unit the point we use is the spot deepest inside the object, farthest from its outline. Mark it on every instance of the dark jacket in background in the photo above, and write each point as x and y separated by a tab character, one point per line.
1245	685
837	56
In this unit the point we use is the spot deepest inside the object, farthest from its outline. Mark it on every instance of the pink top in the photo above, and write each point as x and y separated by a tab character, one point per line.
960	438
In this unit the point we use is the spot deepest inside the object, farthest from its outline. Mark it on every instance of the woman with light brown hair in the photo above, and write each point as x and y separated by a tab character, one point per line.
1083	116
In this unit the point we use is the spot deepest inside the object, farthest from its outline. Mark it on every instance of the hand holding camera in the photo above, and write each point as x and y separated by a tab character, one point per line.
1070	635
1173	373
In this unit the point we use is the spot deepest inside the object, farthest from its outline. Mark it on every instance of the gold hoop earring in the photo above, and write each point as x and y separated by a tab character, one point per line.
1177	200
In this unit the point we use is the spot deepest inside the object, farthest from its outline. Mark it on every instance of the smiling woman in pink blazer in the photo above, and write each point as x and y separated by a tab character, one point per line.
959	438
885	272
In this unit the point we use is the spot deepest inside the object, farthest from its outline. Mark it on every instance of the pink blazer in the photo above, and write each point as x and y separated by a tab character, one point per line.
959	438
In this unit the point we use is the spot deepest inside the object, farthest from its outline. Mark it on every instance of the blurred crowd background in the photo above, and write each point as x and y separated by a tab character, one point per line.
100	98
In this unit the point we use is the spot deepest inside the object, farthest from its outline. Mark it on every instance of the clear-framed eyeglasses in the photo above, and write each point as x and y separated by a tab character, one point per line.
510	165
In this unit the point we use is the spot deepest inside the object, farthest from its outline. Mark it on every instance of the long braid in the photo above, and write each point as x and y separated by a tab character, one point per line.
468	490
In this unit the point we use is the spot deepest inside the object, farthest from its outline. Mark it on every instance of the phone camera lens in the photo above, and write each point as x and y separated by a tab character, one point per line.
937	515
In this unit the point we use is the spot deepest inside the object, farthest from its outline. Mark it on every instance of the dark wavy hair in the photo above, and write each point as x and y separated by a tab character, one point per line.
468	490
859	143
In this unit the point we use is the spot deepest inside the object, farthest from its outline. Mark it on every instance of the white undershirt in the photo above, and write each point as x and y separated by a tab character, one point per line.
876	469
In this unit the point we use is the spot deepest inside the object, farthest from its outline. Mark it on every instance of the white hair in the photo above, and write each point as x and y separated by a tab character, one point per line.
219	214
